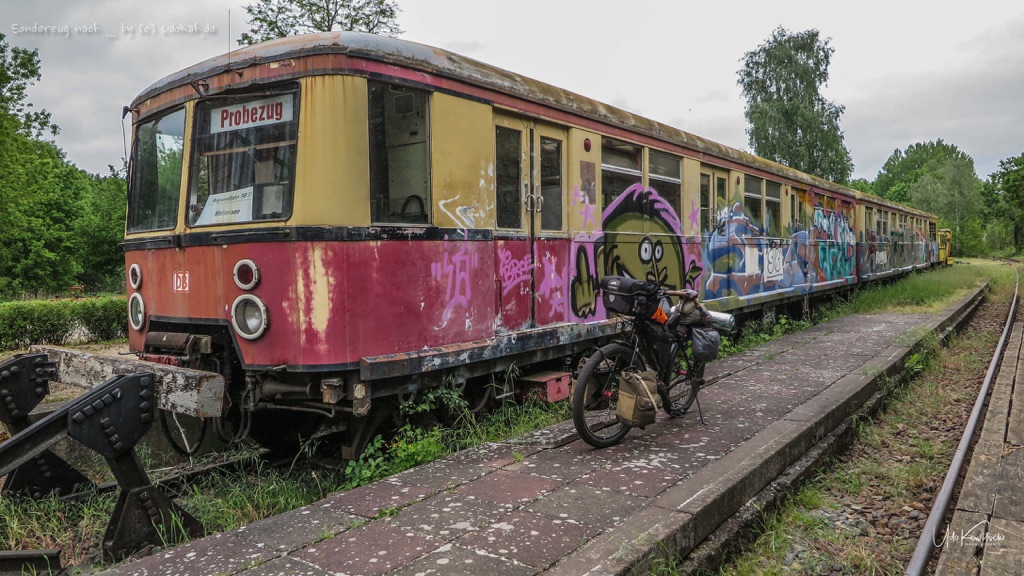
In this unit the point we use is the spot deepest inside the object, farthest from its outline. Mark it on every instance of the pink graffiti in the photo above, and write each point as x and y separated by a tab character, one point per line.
551	286
587	212
513	271
455	271
695	215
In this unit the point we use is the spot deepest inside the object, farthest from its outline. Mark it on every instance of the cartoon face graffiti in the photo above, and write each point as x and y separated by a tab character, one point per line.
643	248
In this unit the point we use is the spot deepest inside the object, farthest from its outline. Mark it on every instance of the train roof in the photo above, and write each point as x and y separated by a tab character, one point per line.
440	62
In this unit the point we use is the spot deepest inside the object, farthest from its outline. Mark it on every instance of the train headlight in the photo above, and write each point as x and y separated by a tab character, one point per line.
136	311
249	316
135	276
246	274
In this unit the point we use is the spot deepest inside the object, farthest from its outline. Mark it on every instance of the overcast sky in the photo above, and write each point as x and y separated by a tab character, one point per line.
906	72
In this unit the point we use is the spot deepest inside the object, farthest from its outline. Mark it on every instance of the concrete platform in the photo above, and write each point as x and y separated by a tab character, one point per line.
548	503
986	534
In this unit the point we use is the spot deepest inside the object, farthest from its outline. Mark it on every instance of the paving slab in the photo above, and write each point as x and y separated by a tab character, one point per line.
550	503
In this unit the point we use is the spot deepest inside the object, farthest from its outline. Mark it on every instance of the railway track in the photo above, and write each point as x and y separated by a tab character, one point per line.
956	533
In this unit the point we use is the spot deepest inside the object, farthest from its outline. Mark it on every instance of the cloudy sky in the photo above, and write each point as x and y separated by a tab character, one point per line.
906	72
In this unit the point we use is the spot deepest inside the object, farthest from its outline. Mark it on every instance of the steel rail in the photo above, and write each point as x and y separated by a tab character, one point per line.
927	542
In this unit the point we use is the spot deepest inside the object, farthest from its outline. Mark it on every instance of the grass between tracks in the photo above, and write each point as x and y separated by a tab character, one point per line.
863	512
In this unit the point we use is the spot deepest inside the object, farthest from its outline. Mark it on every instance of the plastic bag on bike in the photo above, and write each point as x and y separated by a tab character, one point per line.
706	341
639	401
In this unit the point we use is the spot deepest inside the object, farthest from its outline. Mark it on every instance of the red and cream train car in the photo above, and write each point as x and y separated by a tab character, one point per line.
337	220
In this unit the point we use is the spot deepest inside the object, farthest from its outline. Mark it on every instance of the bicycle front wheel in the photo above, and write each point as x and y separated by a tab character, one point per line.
596	394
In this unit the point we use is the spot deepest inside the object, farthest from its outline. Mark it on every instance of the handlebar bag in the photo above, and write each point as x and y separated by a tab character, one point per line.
626	295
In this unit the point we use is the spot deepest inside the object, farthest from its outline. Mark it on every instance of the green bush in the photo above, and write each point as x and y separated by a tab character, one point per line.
38	322
23	324
104	318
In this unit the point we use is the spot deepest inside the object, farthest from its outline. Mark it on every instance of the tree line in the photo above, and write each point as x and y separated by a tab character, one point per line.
791	123
59	226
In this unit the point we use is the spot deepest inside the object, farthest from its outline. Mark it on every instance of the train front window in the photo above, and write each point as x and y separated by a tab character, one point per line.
243	161
156	173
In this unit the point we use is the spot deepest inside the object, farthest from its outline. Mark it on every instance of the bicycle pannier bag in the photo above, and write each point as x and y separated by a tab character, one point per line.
638	398
706	342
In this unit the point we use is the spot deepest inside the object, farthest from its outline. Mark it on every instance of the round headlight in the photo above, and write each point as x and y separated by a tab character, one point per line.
136	311
246	274
249	316
135	276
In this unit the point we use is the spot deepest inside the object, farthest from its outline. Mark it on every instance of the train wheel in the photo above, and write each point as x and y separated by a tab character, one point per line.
184	433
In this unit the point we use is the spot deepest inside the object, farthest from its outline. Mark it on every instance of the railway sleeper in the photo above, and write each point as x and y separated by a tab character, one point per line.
109	420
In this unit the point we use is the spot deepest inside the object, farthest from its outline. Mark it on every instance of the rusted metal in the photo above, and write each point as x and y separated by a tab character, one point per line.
181	390
551	385
110	420
454	355
18	562
349	52
24	382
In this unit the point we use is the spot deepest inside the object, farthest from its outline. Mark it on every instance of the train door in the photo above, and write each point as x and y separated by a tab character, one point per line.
512	243
714	197
716	210
545	206
530	240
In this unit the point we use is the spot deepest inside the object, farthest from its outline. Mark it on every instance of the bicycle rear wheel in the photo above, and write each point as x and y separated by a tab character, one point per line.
679	408
596	394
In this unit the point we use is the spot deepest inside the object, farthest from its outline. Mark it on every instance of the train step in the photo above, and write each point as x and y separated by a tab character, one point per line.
550	385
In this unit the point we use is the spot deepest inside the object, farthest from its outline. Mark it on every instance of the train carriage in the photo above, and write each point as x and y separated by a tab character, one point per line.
335	221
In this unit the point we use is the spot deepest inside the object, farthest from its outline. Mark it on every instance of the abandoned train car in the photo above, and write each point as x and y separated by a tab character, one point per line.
334	221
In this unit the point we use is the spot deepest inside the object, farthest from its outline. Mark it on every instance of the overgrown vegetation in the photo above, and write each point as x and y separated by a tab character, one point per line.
253	490
857	515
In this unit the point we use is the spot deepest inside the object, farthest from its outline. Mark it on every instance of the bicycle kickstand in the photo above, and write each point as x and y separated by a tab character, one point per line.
700	412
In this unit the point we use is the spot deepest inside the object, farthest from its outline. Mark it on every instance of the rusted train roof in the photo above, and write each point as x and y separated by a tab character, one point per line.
451	65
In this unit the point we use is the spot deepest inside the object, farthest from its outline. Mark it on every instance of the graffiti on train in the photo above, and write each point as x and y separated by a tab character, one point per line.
455	271
641	238
837	244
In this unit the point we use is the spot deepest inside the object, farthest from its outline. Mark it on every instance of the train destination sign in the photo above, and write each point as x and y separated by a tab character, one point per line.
252	114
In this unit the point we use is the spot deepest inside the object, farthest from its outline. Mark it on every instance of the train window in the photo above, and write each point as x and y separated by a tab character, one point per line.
666	177
508	153
243	162
722	193
156	173
621	167
551	184
705	199
399	120
752	199
773	208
